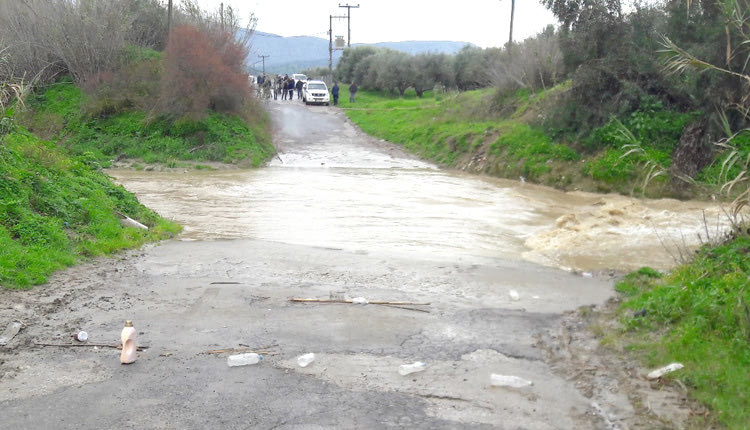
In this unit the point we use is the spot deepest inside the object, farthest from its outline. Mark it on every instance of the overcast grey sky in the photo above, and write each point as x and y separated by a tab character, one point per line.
482	22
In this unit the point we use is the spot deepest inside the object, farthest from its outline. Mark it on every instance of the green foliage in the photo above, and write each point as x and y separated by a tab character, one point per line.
698	315
642	145
633	283
610	167
132	134
723	169
528	150
651	125
55	210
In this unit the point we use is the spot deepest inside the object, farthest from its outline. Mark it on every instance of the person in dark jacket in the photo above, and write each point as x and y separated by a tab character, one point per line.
299	89
352	92
290	87
284	87
335	93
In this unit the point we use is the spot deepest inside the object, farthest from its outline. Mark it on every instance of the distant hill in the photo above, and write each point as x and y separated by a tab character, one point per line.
292	54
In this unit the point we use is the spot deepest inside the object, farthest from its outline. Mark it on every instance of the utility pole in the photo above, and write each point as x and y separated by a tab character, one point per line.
512	11
169	18
330	43
349	22
264	62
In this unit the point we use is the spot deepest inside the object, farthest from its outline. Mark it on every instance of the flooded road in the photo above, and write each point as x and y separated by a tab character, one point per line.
334	187
340	215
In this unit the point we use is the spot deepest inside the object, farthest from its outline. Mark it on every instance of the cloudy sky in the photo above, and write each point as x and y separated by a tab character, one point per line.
482	22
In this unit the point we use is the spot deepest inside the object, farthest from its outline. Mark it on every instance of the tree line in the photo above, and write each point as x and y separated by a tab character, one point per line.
536	63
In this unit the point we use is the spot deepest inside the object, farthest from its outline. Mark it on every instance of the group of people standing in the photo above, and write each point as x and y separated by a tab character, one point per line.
279	86
270	87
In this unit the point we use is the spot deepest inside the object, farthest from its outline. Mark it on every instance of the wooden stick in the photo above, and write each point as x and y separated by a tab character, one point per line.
233	350
408	308
264	350
351	301
74	345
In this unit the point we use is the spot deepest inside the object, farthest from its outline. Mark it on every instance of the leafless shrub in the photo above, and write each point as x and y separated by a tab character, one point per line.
80	38
536	63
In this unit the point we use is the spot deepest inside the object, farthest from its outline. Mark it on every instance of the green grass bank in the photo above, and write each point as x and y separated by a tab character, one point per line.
698	315
56	211
507	136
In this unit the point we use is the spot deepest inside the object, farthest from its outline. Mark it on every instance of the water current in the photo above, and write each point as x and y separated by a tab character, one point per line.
334	187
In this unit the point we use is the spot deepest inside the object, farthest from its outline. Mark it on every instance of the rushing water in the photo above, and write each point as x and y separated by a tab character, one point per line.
333	187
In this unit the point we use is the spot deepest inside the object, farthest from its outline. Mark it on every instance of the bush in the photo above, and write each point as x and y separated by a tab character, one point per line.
202	72
651	125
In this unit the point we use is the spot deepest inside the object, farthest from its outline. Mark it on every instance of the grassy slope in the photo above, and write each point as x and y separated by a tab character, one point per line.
456	130
697	315
58	113
55	211
443	129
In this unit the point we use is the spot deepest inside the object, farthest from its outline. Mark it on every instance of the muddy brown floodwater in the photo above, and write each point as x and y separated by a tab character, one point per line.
332	186
339	214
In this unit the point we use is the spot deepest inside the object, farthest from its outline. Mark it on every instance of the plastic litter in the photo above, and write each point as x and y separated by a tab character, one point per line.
81	336
406	369
305	359
129	347
658	373
514	295
243	359
130	222
509	381
360	301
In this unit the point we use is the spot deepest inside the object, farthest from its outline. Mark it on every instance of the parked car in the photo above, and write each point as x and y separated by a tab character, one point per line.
299	77
316	92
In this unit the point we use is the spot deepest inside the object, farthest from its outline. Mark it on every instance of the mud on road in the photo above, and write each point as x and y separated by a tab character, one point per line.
189	298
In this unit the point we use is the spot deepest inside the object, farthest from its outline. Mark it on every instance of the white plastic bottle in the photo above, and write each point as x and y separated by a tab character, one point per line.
129	347
508	381
243	359
306	359
406	369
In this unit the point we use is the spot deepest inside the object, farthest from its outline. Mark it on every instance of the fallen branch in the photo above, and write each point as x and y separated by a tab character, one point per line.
78	345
